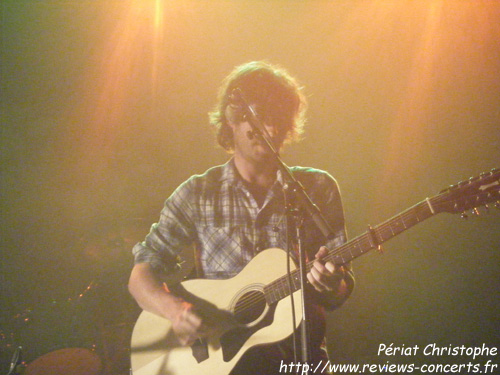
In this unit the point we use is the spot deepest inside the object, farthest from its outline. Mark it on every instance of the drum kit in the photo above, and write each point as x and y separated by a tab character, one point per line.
85	334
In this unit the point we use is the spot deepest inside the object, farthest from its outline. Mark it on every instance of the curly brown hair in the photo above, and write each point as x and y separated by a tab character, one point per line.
275	93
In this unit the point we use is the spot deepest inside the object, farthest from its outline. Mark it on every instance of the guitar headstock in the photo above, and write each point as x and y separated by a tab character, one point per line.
470	194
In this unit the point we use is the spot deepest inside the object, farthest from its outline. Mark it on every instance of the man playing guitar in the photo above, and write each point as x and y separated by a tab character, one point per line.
237	210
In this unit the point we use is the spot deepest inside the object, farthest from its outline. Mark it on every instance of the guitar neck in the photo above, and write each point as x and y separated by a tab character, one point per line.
358	246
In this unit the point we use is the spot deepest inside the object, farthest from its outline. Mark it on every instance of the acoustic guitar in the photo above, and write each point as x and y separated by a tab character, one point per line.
251	308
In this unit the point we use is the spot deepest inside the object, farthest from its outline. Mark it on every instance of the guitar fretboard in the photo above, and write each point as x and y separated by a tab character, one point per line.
282	287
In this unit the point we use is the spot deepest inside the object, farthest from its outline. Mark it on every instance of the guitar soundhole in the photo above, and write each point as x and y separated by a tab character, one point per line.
250	307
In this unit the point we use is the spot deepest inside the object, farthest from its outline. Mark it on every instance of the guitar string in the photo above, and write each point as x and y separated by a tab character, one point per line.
359	242
280	285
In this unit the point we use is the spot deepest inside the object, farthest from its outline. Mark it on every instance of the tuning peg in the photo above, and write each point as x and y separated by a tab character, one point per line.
464	216
475	212
497	204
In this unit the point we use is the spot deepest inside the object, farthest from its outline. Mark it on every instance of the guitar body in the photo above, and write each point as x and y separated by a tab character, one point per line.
156	351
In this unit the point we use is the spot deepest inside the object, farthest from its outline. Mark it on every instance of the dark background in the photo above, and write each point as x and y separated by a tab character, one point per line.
104	113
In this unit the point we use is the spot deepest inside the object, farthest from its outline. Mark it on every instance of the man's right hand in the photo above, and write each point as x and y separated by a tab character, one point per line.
153	296
187	325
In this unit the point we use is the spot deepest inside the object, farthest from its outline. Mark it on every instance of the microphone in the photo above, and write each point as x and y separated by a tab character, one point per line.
237	99
236	103
244	110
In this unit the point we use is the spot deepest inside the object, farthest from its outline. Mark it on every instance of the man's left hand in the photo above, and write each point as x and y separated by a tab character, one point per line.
325	276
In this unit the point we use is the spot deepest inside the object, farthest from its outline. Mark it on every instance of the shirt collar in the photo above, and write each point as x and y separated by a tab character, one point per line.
231	175
229	172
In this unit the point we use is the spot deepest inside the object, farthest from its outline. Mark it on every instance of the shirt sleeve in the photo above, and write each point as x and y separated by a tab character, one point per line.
173	232
334	213
332	209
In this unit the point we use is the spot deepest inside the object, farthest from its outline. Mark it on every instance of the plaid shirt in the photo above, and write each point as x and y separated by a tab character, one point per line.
217	212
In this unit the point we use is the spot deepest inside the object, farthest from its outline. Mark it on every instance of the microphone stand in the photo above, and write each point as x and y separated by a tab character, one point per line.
15	361
301	204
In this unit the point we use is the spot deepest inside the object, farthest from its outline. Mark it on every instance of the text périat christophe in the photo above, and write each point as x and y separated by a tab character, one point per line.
435	350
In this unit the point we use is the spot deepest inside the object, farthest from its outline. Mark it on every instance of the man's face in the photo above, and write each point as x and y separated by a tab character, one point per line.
249	145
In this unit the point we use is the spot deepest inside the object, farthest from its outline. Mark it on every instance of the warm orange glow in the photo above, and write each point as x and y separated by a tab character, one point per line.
441	49
396	53
132	45
157	42
410	119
